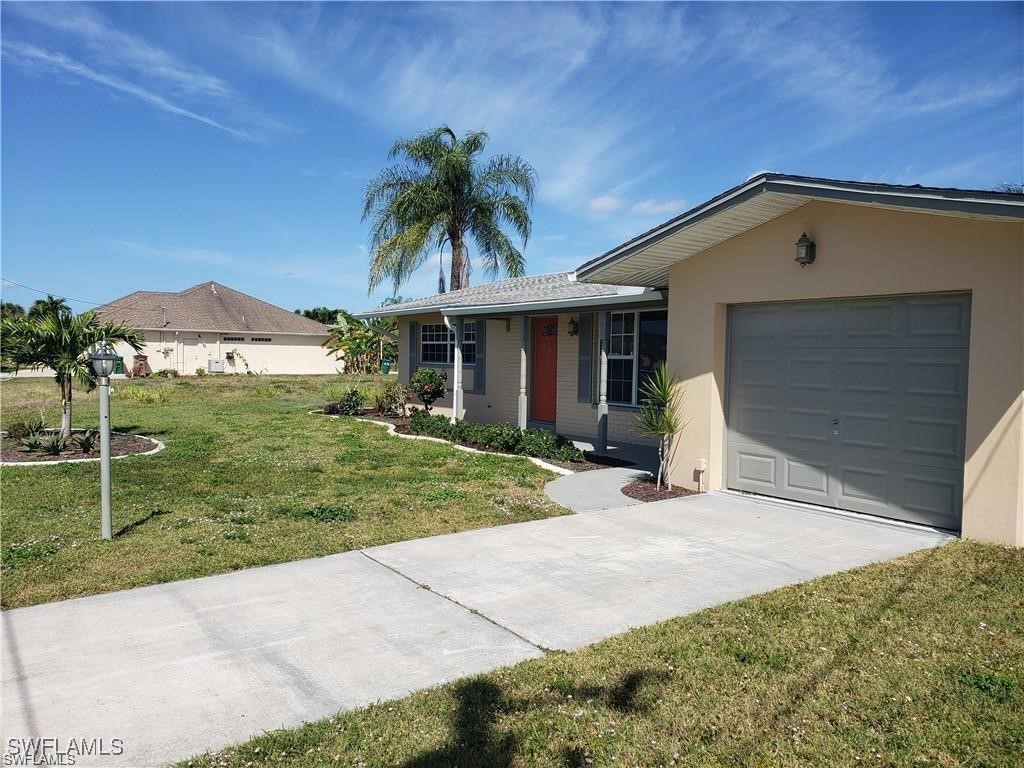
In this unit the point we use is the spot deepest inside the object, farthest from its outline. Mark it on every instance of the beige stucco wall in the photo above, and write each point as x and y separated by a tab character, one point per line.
863	251
185	351
500	401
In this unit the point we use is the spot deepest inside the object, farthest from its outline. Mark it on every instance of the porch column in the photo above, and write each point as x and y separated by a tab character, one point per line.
601	443
454	324
524	335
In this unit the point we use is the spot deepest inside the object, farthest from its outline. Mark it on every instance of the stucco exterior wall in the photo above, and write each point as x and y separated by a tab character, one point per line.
864	251
185	351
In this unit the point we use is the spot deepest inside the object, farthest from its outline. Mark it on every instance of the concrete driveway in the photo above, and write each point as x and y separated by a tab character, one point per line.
175	669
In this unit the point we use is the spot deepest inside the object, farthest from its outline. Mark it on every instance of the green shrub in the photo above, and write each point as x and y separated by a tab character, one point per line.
391	400
167	373
505	438
332	409
85	440
54	444
428	385
200	371
32	443
19	430
138	394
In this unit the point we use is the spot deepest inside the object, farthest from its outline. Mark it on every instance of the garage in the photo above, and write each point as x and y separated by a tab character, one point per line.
858	404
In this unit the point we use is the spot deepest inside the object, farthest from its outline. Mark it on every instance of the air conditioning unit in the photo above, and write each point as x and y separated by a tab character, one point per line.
215	366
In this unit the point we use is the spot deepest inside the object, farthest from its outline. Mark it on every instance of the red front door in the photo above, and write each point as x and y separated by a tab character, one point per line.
545	368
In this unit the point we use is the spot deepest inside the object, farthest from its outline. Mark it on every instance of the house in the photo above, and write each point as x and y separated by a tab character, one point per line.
220	330
883	373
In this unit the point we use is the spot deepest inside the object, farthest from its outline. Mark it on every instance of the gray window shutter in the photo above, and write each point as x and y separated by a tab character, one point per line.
480	372
414	341
585	360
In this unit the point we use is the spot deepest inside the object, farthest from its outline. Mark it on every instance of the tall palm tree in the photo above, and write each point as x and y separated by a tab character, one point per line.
442	194
61	340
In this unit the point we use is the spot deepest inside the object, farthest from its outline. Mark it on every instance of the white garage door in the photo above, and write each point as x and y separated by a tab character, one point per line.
858	404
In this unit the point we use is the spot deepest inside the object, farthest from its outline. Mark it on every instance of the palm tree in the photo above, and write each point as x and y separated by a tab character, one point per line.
61	340
441	195
51	305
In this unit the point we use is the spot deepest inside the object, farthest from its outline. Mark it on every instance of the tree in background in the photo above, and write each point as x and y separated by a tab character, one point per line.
51	305
58	339
442	195
363	346
10	309
324	315
1009	186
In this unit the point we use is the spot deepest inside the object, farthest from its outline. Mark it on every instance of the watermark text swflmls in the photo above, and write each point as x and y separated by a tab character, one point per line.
50	751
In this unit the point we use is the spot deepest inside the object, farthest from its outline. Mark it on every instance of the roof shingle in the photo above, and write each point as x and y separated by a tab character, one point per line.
206	307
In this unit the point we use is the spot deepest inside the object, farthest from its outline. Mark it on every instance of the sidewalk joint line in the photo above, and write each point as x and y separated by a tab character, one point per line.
453	601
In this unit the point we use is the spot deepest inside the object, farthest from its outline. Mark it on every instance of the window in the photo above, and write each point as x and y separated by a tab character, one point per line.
637	343
263	339
437	344
234	338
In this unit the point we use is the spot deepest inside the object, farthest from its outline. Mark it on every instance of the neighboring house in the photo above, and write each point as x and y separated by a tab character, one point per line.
218	329
886	377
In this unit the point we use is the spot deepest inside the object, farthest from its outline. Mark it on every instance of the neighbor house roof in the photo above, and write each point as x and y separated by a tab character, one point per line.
646	259
210	307
536	293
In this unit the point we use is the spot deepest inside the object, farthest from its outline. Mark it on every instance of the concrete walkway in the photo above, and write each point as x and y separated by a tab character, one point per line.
595	489
179	668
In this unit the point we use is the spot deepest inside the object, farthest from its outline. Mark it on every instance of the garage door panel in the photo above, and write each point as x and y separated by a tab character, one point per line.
858	404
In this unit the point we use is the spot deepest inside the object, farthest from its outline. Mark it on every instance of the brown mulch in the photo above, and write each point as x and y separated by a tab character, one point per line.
120	445
646	490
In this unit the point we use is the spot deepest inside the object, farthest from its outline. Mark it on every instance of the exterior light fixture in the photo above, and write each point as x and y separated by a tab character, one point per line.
804	250
102	360
574	327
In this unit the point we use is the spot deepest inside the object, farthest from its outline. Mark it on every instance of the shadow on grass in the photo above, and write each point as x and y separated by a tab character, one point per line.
140	522
476	741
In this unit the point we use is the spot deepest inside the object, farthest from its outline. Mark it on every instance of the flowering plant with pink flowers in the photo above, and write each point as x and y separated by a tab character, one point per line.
428	384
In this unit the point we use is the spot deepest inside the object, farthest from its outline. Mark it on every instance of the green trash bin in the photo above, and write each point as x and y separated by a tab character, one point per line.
385	366
119	364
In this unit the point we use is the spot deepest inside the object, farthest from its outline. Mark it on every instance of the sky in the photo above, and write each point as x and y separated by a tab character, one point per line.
153	146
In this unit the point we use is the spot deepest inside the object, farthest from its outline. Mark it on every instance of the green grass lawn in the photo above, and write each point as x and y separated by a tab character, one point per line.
248	478
919	661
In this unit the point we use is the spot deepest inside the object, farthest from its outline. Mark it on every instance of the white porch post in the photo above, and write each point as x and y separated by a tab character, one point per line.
601	444
455	324
524	334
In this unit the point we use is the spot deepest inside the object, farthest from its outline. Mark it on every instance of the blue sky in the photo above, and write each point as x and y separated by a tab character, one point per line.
155	146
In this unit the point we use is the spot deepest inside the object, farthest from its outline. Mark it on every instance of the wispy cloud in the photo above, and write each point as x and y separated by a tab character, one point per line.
606	204
657	208
132	66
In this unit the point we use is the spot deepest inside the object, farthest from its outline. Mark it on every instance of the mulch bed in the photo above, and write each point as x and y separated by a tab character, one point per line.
120	445
646	490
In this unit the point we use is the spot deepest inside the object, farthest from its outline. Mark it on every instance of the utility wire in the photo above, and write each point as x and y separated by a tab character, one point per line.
8	281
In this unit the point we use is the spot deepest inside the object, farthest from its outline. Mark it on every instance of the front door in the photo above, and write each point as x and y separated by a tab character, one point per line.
545	368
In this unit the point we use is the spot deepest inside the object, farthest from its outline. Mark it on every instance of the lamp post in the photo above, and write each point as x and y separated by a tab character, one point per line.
102	360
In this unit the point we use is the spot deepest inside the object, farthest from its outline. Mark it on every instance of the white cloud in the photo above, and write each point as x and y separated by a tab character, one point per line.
606	204
655	208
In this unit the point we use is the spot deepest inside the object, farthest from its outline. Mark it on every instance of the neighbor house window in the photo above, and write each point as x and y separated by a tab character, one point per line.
263	339
234	338
437	344
637	343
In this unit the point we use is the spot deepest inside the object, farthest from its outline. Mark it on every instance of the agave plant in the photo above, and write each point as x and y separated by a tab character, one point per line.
33	443
659	415
54	444
85	440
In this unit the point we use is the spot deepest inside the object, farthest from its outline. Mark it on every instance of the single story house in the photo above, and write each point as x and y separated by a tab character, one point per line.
220	330
851	345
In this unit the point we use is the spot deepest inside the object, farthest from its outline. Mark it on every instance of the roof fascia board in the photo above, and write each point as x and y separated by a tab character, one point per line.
518	308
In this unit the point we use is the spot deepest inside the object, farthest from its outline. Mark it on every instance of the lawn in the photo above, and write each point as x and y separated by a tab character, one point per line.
249	477
919	661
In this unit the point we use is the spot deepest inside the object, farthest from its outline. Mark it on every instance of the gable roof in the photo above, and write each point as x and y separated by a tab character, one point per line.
556	290
209	307
646	258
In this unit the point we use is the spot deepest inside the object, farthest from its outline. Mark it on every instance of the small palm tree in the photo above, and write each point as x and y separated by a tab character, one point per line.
441	195
61	340
659	415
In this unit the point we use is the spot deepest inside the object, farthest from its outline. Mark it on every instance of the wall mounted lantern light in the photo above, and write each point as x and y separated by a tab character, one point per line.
804	250
574	327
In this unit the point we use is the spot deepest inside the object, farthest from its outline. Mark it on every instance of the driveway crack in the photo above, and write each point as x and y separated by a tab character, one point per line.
453	601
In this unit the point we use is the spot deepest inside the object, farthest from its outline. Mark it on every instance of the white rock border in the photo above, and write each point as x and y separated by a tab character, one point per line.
392	431
159	447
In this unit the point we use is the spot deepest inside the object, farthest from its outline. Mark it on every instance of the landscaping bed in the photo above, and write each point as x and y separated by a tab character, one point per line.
13	451
645	489
918	661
